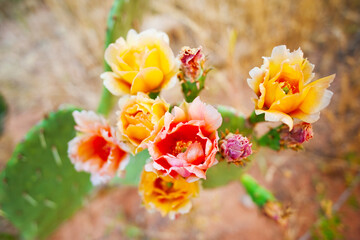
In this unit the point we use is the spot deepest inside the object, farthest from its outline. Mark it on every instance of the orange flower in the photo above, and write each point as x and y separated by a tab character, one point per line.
95	149
168	195
188	142
140	119
284	88
143	62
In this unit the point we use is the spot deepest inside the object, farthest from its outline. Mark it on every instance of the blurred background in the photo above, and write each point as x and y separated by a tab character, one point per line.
51	53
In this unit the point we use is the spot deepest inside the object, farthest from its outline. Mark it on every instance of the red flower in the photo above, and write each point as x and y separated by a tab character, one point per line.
187	144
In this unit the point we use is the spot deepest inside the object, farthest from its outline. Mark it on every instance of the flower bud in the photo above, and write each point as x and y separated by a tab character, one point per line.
235	148
300	133
192	63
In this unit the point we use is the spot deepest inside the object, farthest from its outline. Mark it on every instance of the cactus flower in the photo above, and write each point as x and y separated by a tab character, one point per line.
188	142
284	88
143	62
140	119
168	195
95	149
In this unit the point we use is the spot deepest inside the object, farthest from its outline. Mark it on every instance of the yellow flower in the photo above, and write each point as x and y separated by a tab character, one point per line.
284	88
140	119
143	62
168	195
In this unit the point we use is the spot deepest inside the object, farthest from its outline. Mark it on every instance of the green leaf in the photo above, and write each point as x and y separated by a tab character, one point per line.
258	194
221	174
3	112
232	121
39	186
271	139
133	169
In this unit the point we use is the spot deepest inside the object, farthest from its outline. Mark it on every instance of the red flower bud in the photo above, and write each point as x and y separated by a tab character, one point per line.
192	63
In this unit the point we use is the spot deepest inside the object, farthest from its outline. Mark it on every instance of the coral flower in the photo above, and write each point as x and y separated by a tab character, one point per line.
95	148
140	119
187	144
143	62
284	88
168	195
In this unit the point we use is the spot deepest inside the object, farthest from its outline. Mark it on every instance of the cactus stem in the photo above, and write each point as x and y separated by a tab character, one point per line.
56	155
30	199
42	138
49	204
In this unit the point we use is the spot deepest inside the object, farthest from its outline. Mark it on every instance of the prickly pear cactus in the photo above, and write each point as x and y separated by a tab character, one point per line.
258	194
39	187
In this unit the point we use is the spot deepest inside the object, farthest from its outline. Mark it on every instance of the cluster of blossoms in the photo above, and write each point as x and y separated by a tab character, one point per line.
183	143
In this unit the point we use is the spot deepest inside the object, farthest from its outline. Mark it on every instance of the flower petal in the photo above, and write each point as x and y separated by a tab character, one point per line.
115	85
318	96
276	116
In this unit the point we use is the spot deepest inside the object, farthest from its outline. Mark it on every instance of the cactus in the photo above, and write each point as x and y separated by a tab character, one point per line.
3	111
133	169
232	121
271	139
258	194
221	174
39	187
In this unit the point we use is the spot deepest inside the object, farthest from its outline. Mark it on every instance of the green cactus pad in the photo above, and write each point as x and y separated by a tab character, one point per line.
258	194
232	121
222	174
39	187
133	169
271	139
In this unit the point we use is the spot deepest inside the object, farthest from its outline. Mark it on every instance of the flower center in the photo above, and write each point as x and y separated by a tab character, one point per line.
163	185
101	148
288	85
181	147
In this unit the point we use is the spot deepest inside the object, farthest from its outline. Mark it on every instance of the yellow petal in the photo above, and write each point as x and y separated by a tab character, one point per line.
309	118
129	76
147	80
137	133
115	85
276	116
289	103
261	101
167	59
152	59
257	76
318	96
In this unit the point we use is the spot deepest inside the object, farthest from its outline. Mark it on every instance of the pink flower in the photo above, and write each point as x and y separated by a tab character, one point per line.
187	144
95	149
235	147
